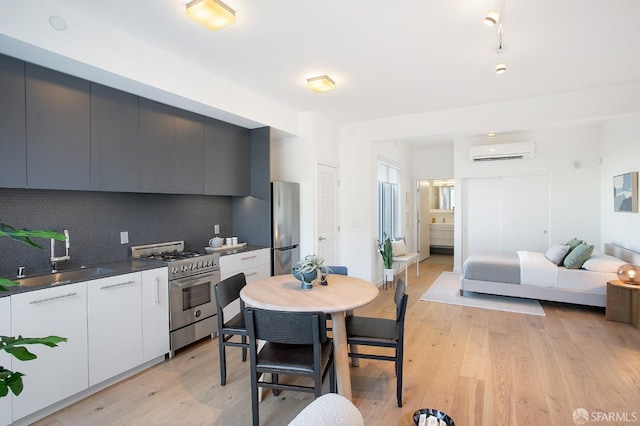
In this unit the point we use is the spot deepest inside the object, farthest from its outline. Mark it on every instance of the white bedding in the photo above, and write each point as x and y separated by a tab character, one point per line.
537	270
580	286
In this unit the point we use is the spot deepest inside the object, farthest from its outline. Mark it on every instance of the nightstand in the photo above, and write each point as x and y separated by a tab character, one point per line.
623	302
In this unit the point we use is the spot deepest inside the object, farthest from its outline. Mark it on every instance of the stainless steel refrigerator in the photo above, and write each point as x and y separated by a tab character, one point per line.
285	227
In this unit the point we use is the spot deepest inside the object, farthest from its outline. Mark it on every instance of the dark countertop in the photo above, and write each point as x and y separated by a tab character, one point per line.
119	267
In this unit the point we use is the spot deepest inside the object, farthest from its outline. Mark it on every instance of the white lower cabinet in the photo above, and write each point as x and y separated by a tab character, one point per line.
255	264
114	326
5	358
155	313
58	372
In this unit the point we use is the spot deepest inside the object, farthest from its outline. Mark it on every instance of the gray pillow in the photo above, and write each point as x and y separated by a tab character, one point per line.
573	243
576	258
556	253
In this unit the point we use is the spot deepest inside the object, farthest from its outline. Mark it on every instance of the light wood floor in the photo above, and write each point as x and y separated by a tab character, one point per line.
481	367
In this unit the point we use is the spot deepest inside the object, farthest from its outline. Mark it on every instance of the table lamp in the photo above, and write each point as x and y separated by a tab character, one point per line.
629	274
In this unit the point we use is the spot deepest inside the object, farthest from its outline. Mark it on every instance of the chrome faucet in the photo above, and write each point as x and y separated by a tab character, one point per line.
54	260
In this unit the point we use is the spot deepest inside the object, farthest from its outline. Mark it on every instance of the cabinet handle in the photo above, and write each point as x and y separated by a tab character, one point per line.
247	258
157	292
49	299
106	287
250	273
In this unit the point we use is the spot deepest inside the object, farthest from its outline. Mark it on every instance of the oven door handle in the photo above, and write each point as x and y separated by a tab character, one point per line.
186	283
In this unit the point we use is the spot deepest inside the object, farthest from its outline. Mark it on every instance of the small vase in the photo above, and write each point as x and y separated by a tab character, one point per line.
306	278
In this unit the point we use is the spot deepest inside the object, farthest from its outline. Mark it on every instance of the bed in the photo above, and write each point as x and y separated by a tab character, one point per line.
544	276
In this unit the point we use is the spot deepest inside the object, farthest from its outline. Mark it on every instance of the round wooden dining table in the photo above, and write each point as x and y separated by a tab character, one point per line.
341	294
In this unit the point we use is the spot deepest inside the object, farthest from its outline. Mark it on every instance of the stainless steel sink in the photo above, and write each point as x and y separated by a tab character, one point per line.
65	277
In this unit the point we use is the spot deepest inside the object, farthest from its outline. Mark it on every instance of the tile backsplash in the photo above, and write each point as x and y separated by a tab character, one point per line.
95	220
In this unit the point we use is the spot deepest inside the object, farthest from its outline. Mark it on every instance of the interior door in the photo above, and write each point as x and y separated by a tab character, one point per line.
424	229
328	228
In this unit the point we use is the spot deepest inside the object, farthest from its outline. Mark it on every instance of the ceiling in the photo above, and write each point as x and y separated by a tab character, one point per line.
394	58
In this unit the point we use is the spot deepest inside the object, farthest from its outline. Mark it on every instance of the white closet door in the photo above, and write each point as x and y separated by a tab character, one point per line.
505	214
481	215
525	213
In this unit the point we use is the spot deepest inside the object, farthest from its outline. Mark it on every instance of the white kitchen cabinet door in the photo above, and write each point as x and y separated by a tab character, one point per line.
5	358
255	264
155	313
114	326
58	372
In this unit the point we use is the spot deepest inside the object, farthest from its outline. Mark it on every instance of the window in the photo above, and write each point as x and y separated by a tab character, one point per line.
388	208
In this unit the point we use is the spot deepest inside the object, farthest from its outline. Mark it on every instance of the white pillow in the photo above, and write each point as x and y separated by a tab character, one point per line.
557	253
599	262
399	248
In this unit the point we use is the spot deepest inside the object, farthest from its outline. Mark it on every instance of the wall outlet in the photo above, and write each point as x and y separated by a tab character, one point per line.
124	237
216	229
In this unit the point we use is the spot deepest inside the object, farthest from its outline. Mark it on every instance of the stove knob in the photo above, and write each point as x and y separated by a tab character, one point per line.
184	268
175	270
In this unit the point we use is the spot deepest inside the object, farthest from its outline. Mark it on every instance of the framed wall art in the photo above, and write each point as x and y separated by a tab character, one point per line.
625	192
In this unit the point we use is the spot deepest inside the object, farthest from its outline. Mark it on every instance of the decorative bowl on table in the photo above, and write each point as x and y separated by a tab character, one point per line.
440	415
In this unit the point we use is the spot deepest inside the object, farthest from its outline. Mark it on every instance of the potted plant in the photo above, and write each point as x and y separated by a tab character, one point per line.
12	380
310	270
386	250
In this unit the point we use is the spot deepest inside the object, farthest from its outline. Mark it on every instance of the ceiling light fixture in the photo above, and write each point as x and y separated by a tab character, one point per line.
321	84
492	18
213	14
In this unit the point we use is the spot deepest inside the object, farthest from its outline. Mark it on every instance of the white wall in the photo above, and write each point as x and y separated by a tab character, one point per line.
569	157
359	157
295	159
620	154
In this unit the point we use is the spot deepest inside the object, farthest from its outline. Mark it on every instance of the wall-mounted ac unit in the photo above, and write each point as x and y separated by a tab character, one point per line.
504	151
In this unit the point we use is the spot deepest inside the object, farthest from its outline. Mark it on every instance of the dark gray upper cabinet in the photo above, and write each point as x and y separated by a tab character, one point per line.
189	153
13	140
58	130
114	140
156	154
216	157
239	161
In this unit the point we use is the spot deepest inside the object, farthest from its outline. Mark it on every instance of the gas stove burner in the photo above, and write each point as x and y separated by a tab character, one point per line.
173	256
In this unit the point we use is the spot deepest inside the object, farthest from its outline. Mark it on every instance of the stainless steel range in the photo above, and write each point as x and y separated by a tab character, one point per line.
192	275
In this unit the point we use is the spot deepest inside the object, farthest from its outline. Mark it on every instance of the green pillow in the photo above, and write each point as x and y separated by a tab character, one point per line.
576	257
573	243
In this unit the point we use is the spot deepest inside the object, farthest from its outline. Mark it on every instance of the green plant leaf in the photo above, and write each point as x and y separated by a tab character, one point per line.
10	380
14	345
5	282
23	235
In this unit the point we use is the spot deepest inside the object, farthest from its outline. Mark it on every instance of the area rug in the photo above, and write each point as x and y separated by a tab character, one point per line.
445	289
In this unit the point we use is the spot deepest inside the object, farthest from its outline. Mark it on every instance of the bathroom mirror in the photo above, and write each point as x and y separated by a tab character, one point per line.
442	195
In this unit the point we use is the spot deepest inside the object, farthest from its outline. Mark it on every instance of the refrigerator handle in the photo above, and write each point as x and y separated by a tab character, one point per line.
286	248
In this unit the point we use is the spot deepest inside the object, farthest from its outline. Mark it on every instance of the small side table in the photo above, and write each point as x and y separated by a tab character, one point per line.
623	302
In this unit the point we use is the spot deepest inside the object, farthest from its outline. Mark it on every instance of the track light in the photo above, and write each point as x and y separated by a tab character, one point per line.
492	18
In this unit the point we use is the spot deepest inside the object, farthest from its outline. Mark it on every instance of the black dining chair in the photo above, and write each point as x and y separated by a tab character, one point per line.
295	344
340	270
227	292
381	332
